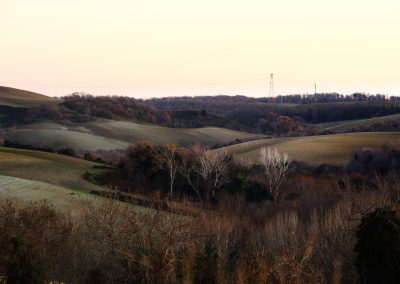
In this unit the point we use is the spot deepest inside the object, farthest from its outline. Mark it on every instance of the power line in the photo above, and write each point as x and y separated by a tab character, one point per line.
133	87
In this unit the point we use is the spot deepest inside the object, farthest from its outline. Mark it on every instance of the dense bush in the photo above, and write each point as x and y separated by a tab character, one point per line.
369	162
378	247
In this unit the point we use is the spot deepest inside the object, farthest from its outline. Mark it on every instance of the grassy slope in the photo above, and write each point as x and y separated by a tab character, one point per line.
332	149
51	168
55	136
108	134
348	125
31	190
21	98
64	199
27	175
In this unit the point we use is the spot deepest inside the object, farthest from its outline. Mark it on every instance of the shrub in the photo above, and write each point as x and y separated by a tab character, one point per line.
378	247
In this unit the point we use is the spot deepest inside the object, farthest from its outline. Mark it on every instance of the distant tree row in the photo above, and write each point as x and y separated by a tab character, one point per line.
310	108
115	107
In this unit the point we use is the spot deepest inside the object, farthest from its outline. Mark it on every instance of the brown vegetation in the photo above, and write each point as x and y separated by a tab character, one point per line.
111	242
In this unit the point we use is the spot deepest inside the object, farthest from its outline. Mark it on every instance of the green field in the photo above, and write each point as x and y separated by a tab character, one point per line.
342	126
20	98
58	170
108	134
336	149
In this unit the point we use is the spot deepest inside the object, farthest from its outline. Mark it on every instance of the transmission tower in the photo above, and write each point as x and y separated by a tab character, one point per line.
271	85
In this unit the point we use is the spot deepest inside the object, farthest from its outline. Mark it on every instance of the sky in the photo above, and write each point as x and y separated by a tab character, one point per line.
158	48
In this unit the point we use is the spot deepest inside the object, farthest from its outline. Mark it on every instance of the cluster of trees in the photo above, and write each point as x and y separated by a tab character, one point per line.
201	174
115	107
191	171
281	125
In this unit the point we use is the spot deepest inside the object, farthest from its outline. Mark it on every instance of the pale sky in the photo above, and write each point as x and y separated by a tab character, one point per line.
156	48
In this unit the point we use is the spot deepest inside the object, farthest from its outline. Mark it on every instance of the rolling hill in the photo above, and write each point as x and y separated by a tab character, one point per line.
21	98
108	135
31	176
336	149
58	170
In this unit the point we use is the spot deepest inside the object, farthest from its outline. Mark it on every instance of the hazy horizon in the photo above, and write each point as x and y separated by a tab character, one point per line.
173	48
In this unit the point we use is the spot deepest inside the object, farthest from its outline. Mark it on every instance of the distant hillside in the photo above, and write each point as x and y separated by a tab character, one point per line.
382	123
336	149
21	98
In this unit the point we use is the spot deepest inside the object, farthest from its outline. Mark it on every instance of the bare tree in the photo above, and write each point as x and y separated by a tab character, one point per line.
276	166
187	170
210	166
172	164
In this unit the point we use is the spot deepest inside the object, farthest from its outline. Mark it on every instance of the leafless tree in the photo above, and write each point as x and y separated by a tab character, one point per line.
209	166
187	171
276	166
172	162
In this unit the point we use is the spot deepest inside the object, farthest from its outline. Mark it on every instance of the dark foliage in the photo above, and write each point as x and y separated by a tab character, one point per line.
378	247
369	161
143	165
311	108
23	265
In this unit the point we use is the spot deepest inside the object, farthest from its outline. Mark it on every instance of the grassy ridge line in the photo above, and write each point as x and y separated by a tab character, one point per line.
336	149
21	98
51	168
